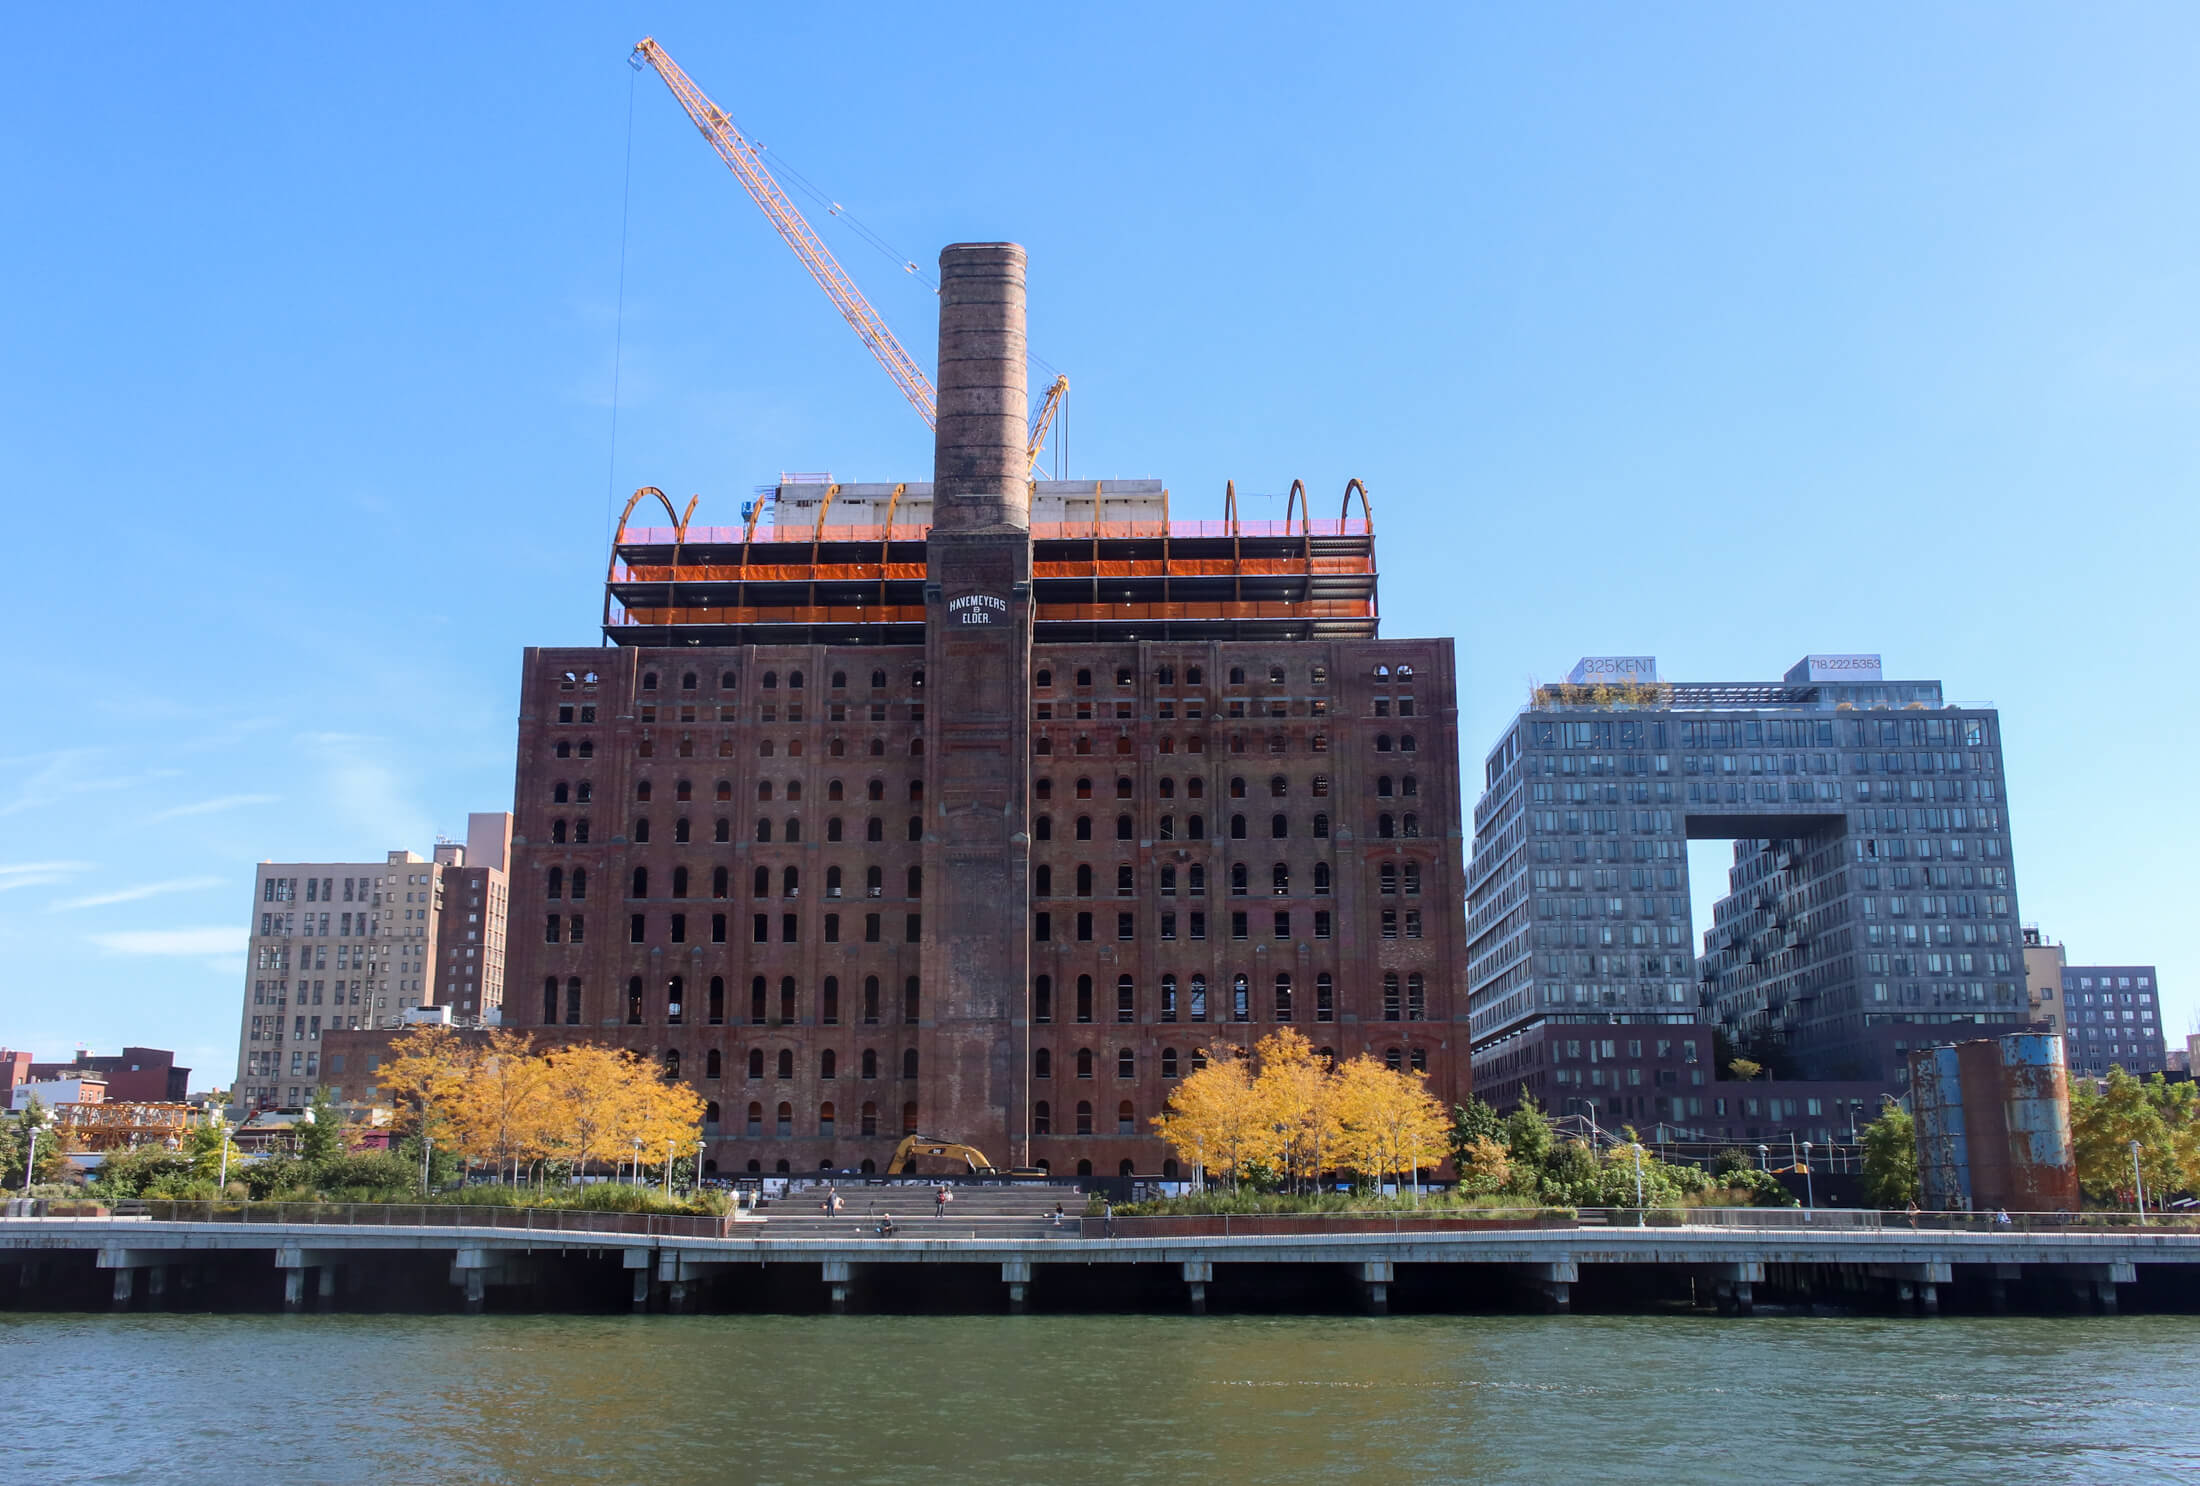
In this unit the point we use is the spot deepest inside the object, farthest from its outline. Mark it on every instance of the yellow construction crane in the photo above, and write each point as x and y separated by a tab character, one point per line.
745	161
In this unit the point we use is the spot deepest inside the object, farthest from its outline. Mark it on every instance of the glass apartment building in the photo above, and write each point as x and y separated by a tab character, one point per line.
1870	908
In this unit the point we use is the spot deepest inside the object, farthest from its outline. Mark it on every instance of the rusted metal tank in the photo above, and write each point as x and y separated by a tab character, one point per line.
2035	1103
1993	1125
1943	1143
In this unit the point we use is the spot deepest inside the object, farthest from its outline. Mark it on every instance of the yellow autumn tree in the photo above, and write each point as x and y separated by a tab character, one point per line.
502	1115
1214	1120
1388	1123
1296	1094
427	1073
589	1094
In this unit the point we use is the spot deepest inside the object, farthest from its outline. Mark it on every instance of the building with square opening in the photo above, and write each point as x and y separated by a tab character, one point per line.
1871	906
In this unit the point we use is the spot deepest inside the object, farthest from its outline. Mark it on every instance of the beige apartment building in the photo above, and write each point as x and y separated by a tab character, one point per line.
350	945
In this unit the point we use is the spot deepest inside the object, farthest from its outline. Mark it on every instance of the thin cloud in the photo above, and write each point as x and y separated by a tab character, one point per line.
192	943
209	807
38	874
142	890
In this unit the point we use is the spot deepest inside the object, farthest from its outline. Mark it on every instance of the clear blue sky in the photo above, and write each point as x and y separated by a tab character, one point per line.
1719	332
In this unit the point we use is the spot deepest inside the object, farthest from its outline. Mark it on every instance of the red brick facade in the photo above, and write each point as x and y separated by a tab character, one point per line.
811	852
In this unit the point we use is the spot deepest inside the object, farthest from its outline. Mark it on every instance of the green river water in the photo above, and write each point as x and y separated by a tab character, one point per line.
670	1400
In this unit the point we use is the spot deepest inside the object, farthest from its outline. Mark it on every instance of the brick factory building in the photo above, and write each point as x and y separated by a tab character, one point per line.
984	807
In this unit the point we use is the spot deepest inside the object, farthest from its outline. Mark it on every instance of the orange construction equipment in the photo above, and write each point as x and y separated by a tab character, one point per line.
745	161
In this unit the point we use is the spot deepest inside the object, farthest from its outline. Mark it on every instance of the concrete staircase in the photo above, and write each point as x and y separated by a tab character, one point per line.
1023	1211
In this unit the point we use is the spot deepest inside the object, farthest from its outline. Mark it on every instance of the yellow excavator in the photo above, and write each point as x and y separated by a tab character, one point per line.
973	1159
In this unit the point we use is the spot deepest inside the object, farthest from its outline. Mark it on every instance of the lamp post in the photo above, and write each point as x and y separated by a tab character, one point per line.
1638	1184
2138	1182
30	1162
1810	1195
668	1168
221	1128
637	1177
427	1146
1764	1158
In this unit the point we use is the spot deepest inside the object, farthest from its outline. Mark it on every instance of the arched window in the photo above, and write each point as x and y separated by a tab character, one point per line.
1168	998
1084	998
763	829
869	1126
1387	875
1042	999
1238	880
1385	827
1241	999
874	829
1084	828
1280	879
634	1001
649	680
1321	828
1042	1118
829	1002
870	1000
1283	997
785	1118
1237	828
916	882
679	882
573	1001
1391	1009
1168	1062
1126	999
1197	1002
641	830
1410	825
763	882
1126	1123
794	829
758	1016
874	882
675	999
1123	830
556	884
1321	879
1084	880
638	885
721	830
787	1000
756	1062
1416	998
559	794
1042	881
1084	1123
828	1064
717	1007
825	1117
756	1124
1418	1060
1413	879
550	1002
909	1001
710	1116
1392	1059
1126	1063
719	883
1126	881
1042	1063
672	1064
1042	829
870	1062
909	1063
790	882
1279	826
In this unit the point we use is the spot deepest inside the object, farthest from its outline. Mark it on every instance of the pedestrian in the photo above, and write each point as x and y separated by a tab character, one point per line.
837	1204
1912	1214
1057	1214
2001	1217
940	1199
1107	1217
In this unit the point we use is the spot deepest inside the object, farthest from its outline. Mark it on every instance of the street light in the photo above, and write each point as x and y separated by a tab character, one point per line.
1638	1184
1809	1192
30	1163
2138	1182
637	1178
1764	1158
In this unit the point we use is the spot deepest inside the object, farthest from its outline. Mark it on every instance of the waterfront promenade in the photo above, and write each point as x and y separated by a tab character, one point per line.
334	1258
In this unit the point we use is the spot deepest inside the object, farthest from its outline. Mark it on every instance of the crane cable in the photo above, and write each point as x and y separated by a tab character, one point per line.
618	334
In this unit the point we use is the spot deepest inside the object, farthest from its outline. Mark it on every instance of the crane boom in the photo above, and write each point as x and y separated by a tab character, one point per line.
1044	421
741	158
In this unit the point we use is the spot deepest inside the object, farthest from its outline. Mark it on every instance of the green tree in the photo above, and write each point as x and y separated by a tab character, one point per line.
15	1143
2162	1117
321	1136
1472	1121
1528	1139
1890	1158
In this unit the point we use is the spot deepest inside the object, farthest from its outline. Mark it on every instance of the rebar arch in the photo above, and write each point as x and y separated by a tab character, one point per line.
1365	509
679	522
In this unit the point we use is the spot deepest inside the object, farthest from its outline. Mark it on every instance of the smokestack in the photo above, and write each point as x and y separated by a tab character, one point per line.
980	470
